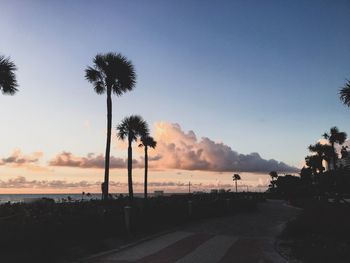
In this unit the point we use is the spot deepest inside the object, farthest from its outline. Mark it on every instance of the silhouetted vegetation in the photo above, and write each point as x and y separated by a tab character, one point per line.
111	73
323	177
8	81
335	137
320	233
49	232
147	141
132	128
235	178
344	93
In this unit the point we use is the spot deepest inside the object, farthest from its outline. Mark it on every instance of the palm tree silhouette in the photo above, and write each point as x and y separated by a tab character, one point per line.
132	127
315	163
8	81
335	136
235	178
274	176
322	152
345	93
111	73
147	141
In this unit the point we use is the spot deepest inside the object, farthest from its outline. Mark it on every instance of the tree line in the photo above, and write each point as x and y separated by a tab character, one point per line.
323	175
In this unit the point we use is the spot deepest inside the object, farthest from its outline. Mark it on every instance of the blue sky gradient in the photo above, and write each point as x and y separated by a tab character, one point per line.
260	76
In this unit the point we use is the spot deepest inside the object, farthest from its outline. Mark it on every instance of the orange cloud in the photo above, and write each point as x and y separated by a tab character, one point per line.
177	149
19	160
181	150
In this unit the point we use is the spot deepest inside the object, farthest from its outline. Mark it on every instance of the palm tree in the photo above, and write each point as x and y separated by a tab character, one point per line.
274	176
315	163
335	136
110	73
322	152
235	178
146	142
8	82
345	93
132	127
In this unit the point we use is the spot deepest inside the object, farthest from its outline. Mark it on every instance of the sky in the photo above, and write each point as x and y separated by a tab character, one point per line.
225	86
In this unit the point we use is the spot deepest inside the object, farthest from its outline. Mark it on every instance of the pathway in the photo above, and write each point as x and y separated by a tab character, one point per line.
246	237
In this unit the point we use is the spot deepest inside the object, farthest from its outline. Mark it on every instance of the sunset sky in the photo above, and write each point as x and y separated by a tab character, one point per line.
225	86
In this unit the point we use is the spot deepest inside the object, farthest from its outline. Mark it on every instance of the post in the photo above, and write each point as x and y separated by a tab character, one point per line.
127	218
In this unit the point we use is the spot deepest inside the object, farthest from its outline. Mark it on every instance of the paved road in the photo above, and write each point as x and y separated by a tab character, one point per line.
247	238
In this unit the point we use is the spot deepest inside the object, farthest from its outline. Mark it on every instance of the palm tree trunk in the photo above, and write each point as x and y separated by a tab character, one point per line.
236	185
146	170
334	157
108	145
131	193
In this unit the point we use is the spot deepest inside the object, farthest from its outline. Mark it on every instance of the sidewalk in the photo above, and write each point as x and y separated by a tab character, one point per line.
240	238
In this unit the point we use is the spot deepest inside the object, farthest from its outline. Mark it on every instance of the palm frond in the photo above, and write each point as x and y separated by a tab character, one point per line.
325	135
344	94
236	177
132	127
113	72
148	141
95	77
8	81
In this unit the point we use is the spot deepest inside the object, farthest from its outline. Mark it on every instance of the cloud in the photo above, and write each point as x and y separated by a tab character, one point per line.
17	158
91	160
29	161
177	149
22	182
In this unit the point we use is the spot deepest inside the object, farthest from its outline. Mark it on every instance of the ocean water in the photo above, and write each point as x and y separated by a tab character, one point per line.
15	198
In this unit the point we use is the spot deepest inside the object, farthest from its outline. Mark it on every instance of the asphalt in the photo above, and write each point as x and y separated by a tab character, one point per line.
241	238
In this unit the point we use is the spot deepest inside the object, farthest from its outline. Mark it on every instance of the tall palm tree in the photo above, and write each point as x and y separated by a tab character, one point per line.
110	73
147	141
8	81
235	178
335	136
344	93
131	128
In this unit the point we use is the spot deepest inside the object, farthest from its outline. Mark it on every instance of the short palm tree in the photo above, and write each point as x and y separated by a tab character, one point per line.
8	81
344	93
235	178
322	152
110	73
131	128
274	176
335	136
146	142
